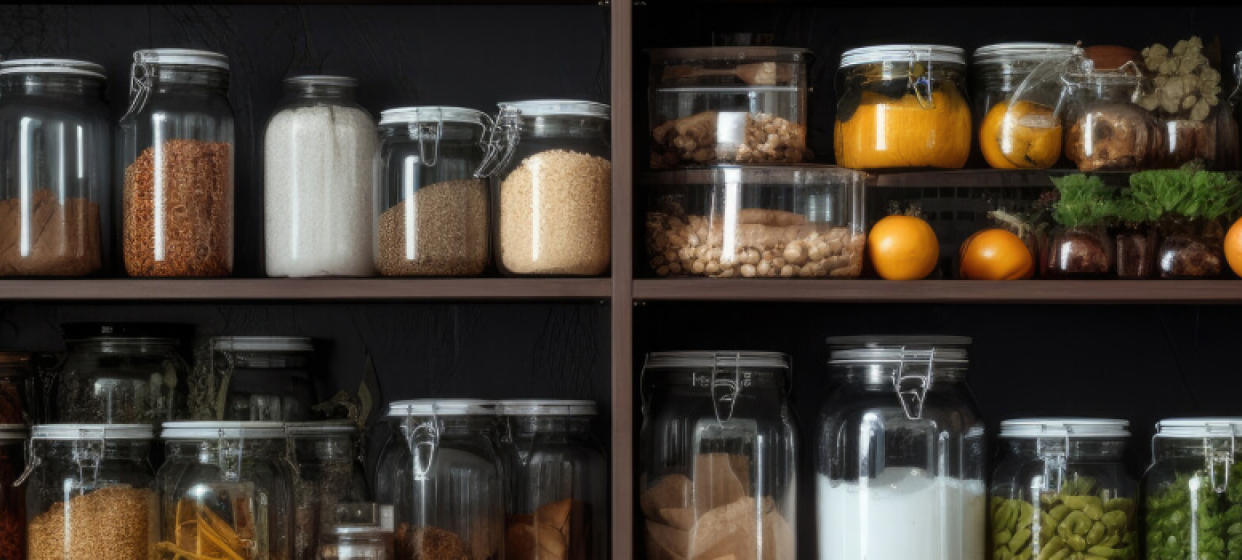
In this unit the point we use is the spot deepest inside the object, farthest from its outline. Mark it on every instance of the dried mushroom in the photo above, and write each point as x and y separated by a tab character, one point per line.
1185	84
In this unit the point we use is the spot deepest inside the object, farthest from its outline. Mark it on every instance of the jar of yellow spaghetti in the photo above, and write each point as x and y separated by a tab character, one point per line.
902	106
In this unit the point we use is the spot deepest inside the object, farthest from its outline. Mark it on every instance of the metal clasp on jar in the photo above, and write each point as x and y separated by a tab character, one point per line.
424	131
725	390
423	437
500	141
919	77
1219	456
912	388
139	85
229	455
1054	452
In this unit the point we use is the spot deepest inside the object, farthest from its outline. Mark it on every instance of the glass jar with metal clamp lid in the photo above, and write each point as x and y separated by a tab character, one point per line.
432	211
329	472
226	490
900	452
1062	484
441	470
1192	493
718	456
90	492
552	187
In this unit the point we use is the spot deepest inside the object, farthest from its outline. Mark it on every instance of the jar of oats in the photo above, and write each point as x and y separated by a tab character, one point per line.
552	185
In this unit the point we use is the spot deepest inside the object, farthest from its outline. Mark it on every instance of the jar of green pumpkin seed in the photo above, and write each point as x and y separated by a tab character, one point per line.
1062	491
1192	494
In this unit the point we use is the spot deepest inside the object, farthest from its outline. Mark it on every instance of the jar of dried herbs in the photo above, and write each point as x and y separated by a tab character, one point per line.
329	472
90	492
121	373
12	499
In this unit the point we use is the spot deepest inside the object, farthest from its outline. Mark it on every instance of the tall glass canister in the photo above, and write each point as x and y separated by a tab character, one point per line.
900	452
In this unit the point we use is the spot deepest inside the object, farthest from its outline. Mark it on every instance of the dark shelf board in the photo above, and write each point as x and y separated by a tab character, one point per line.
968	178
309	289
943	291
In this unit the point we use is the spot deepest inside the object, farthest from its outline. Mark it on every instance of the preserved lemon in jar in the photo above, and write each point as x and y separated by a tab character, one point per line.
1013	88
1022	136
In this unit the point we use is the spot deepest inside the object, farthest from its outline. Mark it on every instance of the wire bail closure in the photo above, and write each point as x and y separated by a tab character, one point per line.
139	85
424	434
422	130
912	389
501	142
1219	457
229	455
919	77
726	391
1055	461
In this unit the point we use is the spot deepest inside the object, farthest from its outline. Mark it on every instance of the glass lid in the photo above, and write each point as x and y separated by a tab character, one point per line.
62	66
557	107
903	53
1034	428
182	57
432	114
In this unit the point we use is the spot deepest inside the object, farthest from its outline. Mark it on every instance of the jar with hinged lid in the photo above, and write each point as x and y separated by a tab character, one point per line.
1022	134
718	456
1106	128
358	531
13	438
226	491
432	211
1192	493
329	472
900	445
1062	484
90	492
121	373
255	378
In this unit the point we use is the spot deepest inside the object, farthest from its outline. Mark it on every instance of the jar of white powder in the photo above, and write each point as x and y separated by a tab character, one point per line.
900	453
319	169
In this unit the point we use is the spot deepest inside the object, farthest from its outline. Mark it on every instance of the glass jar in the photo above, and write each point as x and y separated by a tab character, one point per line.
1191	249
359	532
1062	484
902	106
1192	492
559	507
552	188
19	388
255	378
318	172
120	374
227	491
900	463
329	472
1015	135
718	456
1136	251
441	470
431	209
177	154
756	222
1079	252
728	105
12	498
90	492
1108	130
56	141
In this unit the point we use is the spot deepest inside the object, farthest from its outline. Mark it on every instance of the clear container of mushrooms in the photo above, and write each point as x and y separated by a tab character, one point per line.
734	221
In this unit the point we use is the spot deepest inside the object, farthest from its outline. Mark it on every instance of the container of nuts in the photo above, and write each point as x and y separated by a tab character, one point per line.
731	221
713	105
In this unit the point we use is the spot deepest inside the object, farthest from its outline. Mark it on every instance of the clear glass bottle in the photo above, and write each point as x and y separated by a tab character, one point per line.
56	145
329	472
318	175
177	151
1192	493
552	188
120	374
226	490
255	378
1022	135
90	492
431	212
559	503
1062	484
359	532
900	452
441	471
13	438
718	456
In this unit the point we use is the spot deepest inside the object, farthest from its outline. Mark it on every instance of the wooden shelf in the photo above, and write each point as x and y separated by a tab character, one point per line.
308	289
943	291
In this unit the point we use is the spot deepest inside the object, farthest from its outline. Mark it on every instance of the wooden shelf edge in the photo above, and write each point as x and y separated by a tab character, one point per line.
943	291
307	289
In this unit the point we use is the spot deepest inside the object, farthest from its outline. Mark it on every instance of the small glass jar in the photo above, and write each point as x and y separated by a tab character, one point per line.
1021	135
19	388
329	472
1136	251
1062	484
56	141
358	532
255	378
90	492
559	504
1108	130
177	153
1191	249
441	470
552	188
12	498
900	445
1078	253
120	374
318	175
902	106
1193	490
431	209
718	456
226	490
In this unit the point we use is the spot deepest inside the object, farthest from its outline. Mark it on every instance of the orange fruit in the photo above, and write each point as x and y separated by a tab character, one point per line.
903	248
1026	136
996	254
1233	247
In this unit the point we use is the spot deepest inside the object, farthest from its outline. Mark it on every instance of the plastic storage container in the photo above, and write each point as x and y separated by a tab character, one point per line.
318	175
900	452
226	490
256	378
90	492
329	472
1015	135
359	532
559	507
756	222
177	155
431	209
1192	492
20	396
718	456
902	106
552	188
441	471
1060	485
123	373
12	498
56	141
728	105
